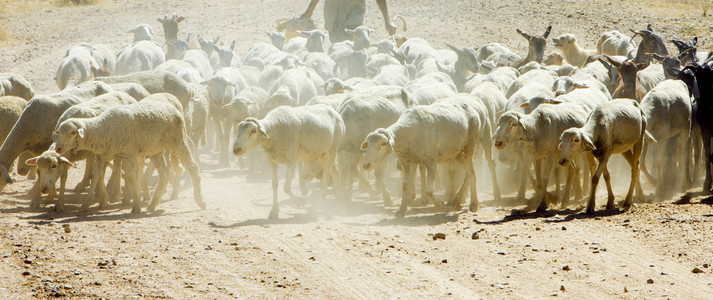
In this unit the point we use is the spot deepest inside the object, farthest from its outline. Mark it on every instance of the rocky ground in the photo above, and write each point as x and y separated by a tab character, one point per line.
336	250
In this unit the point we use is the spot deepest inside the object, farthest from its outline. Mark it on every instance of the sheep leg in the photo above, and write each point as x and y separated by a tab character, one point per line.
557	173
35	195
660	167
379	174
87	176
302	182
430	183
546	166
601	167
346	165
160	163
114	187
224	143
362	176
422	173
470	175
185	157
101	188
610	192
539	189
572	173
275	211
291	167
177	173
408	178
59	206
706	135
144	180
523	178
92	184
133	177
645	170
632	157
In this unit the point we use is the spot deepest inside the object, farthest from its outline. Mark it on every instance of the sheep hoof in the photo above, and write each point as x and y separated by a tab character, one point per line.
58	208
274	214
400	213
473	207
151	208
201	204
136	210
590	210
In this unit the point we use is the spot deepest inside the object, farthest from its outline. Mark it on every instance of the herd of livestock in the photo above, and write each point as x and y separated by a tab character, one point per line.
338	113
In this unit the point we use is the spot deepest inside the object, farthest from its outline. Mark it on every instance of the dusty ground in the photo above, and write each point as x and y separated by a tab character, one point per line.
355	250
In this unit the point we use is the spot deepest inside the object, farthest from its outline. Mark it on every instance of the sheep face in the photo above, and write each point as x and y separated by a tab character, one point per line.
220	90
554	59
67	136
509	129
573	142
376	147
50	167
142	32
361	37
225	53
239	109
276	100
566	84
277	38
250	134
335	86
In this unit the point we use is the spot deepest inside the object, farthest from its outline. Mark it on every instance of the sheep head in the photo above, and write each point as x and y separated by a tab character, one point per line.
510	128
207	46
564	41
68	135
651	42
239	109
360	35
565	84
536	46
376	147
467	58
574	141
50	166
142	32
277	39
250	134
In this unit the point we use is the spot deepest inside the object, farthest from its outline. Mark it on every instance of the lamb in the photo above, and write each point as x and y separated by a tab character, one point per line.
320	63
566	84
363	112
246	104
429	88
349	62
222	87
292	134
156	81
142	32
75	68
492	98
599	137
576	56
196	119
33	130
651	76
453	126
134	90
139	56
503	77
176	48
395	75
120	132
540	131
105	58
536	48
615	43
667	108
311	41
15	85
51	166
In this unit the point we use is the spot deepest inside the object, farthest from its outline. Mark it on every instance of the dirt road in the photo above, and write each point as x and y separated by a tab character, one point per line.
337	250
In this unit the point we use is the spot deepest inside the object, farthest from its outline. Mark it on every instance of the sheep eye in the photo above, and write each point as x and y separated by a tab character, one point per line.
254	131
54	166
73	133
576	140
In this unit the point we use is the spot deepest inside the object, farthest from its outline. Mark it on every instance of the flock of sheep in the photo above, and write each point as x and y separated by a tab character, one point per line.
338	113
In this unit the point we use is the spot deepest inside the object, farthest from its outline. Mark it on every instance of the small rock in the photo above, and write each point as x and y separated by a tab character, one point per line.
501	253
439	236
312	258
426	261
97	283
27	261
298	235
472	275
566	268
562	288
705	266
697	270
664	273
67	229
26	273
445	261
564	228
475	236
626	290
537	229
650	281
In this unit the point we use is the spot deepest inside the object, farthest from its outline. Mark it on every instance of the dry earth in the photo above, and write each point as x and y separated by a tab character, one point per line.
355	250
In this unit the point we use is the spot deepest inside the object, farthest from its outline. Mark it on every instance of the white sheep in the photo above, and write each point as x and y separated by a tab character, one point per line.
617	126
139	56
453	127
142	32
616	43
375	61
33	130
16	85
576	56
431	87
499	54
292	134
227	56
545	77
76	67
197	117
156	81
667	108
10	109
121	132
222	87
503	77
294	87
363	112
50	166
540	131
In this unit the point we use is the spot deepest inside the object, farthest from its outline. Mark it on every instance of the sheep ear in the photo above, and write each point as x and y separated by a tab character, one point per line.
349	31
228	106
588	143
525	35
559	147
580	85
64	160
364	145
695	41
232	46
525	105
262	132
80	131
180	19
32	161
204	82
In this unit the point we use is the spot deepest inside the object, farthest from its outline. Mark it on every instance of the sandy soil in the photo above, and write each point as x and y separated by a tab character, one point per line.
343	250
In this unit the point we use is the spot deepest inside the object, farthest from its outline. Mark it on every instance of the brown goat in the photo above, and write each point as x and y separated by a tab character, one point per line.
651	43
537	43
628	85
170	26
